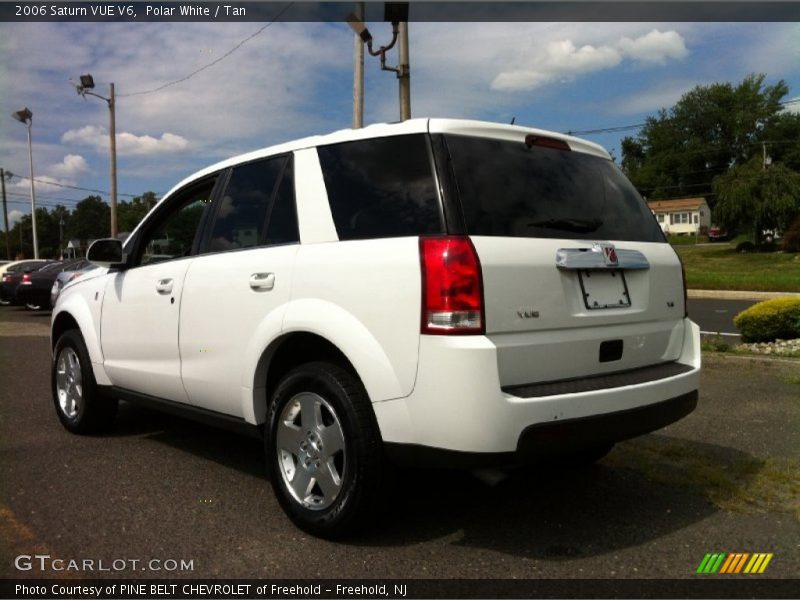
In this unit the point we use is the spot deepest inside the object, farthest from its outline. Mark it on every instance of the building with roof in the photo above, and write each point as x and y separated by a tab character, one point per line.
684	216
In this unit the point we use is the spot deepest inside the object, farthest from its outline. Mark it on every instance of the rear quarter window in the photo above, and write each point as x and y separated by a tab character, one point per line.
382	187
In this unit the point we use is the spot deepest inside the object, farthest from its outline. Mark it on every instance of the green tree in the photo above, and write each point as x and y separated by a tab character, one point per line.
750	197
90	220
679	151
129	214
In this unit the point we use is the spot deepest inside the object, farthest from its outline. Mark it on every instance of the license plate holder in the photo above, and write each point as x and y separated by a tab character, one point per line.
604	289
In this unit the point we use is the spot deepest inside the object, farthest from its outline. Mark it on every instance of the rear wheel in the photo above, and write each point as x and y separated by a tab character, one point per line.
324	450
79	405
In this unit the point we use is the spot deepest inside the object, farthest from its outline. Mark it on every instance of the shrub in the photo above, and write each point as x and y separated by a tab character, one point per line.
791	239
770	320
745	247
715	344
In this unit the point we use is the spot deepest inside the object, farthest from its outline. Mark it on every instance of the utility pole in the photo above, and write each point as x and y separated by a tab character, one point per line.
358	73
395	13
404	73
5	212
112	132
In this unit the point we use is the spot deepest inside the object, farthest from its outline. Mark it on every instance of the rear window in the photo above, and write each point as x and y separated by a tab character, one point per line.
381	187
508	189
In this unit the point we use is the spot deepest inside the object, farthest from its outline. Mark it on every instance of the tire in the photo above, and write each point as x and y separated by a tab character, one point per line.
324	450
80	406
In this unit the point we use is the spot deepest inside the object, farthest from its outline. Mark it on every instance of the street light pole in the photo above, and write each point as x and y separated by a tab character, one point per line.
33	194
5	212
25	116
112	131
83	88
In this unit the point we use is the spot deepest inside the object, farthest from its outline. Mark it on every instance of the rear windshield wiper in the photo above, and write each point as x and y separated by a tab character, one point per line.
576	225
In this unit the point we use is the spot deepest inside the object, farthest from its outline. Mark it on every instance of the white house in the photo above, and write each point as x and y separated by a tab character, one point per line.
681	217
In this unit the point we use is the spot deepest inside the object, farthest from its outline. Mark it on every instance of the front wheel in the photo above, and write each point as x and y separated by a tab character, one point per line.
80	406
324	450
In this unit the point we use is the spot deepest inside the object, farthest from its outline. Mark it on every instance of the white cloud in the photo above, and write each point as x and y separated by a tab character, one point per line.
71	166
43	183
14	217
655	47
562	60
794	107
127	143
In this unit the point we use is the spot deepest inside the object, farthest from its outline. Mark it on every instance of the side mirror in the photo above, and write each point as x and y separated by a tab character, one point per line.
107	253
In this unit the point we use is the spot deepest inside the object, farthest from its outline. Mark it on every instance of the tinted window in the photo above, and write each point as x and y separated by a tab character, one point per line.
508	189
282	228
174	233
382	187
244	210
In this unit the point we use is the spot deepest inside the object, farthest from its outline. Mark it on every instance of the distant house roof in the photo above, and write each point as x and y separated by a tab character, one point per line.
673	205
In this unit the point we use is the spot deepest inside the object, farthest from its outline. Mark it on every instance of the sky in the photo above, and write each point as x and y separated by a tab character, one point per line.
295	79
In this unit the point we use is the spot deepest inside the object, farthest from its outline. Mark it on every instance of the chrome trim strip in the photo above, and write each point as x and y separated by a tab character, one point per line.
581	259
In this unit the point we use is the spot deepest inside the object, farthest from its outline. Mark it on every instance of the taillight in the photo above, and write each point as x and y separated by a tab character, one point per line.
452	286
26	278
546	142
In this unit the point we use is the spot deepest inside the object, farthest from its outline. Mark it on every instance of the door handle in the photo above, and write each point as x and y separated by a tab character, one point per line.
262	281
164	286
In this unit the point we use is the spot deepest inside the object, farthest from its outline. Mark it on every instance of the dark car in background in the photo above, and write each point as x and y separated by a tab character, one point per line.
13	277
63	278
34	289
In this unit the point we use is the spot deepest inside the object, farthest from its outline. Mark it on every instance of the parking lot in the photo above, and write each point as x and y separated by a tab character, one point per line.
726	479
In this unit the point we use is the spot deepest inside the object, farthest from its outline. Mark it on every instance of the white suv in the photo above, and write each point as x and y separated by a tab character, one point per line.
436	292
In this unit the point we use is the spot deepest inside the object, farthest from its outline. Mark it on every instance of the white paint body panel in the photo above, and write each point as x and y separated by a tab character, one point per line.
220	314
139	329
457	403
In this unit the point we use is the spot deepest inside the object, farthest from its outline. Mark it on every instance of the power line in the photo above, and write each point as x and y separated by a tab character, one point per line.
213	62
640	125
606	129
72	187
38	196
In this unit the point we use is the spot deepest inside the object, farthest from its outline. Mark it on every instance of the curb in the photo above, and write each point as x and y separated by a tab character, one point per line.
738	295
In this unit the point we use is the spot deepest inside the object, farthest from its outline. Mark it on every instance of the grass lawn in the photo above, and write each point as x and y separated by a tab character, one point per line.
720	267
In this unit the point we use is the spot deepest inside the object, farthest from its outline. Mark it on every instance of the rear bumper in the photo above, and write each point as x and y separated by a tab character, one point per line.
545	440
459	407
31	295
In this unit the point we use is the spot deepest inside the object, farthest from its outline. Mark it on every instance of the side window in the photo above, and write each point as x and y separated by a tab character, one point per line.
173	235
244	210
282	228
382	187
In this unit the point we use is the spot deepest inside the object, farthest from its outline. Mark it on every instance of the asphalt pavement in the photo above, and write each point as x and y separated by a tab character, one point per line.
716	316
725	479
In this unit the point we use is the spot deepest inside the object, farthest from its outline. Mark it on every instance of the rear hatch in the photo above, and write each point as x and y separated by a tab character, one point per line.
578	278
